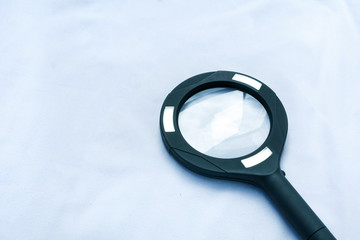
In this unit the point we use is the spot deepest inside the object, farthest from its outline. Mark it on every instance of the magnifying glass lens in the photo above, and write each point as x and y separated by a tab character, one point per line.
224	122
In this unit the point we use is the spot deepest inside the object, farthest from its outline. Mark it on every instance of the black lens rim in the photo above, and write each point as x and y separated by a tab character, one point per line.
233	168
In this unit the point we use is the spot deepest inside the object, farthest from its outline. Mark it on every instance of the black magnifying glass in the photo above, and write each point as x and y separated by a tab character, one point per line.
231	126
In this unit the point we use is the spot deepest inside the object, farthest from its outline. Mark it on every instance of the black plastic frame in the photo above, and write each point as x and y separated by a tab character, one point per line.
225	168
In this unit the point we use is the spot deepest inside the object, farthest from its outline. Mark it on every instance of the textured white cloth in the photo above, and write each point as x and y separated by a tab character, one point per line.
81	86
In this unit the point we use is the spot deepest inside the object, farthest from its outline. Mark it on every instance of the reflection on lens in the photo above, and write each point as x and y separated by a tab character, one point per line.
224	122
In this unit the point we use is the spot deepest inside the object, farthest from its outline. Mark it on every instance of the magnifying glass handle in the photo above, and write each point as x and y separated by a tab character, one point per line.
295	209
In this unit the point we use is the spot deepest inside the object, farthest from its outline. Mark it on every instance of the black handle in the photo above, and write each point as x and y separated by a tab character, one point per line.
294	208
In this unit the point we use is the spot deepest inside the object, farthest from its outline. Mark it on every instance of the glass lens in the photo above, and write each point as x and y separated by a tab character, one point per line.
224	122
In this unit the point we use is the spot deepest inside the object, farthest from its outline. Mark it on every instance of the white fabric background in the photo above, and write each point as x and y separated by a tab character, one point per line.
81	86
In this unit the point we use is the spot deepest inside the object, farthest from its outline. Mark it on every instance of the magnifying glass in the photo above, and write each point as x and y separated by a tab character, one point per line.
231	126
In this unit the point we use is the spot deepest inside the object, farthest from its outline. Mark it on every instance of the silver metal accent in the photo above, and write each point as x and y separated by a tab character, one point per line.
257	158
168	117
247	80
